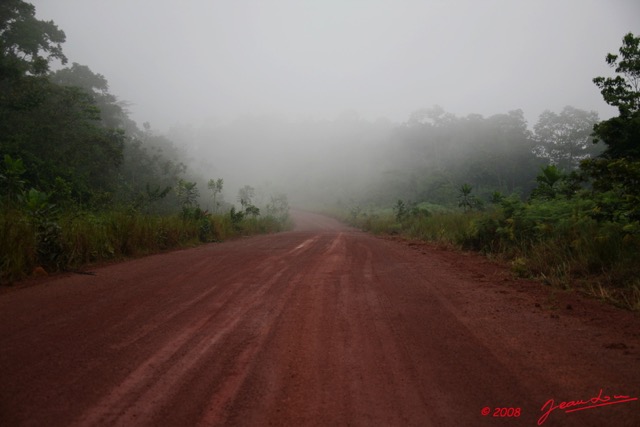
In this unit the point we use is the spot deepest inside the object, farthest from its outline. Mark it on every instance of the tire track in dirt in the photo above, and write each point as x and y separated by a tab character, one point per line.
321	326
127	402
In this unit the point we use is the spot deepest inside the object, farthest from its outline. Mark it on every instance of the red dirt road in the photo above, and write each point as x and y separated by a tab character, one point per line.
324	325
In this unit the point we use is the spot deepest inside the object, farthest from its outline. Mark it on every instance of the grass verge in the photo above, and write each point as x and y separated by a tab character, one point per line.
71	240
558	244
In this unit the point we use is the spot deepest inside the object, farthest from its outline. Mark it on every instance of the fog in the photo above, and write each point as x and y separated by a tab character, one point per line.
203	59
277	93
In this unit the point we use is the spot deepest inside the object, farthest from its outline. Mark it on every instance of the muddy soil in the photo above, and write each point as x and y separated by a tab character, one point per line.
324	325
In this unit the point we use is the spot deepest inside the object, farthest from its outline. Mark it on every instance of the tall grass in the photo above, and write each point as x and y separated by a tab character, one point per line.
84	238
556	241
18	245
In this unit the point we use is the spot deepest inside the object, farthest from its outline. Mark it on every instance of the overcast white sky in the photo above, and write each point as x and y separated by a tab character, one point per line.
194	60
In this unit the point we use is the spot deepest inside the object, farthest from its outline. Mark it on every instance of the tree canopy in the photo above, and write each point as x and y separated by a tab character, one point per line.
565	138
73	139
26	43
622	133
616	174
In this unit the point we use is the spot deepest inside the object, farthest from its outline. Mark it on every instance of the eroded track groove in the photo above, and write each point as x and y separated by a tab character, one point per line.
324	325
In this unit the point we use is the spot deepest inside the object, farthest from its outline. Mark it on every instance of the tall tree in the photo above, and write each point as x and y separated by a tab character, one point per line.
27	45
564	139
506	141
151	165
54	129
622	133
216	190
59	137
616	174
112	112
246	195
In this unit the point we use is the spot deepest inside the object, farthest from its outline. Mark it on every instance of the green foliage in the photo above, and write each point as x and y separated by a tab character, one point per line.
496	197
406	212
150	163
188	194
236	217
81	76
80	238
401	210
466	200
565	139
622	134
111	113
34	207
246	195
556	239
615	176
616	189
417	211
44	217
444	229
11	178
549	181
216	190
26	43
378	224
435	151
278	208
79	180
56	133
18	245
623	91
252	211
579	227
36	203
73	137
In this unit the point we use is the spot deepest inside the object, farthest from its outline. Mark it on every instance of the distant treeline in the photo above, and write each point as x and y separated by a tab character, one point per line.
426	158
562	202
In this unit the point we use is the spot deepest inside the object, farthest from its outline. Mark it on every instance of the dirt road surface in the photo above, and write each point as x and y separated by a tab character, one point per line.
323	326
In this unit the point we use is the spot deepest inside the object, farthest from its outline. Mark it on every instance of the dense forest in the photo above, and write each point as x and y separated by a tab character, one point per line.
82	182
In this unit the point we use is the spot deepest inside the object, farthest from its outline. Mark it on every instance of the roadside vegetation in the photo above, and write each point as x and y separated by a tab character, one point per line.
80	182
574	223
557	241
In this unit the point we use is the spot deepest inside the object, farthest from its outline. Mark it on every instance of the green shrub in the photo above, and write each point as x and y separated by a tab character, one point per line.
18	246
79	238
559	240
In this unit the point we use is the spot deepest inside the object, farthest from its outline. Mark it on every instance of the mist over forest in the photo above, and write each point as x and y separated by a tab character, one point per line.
356	161
310	161
321	101
330	102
